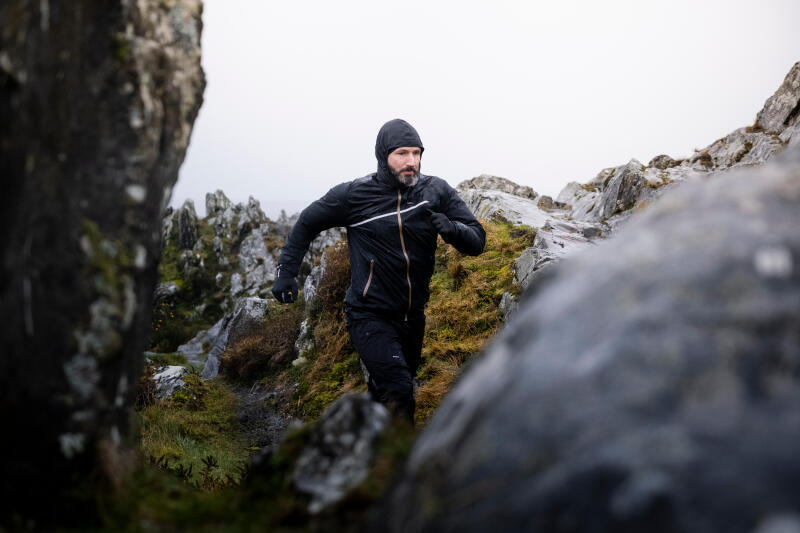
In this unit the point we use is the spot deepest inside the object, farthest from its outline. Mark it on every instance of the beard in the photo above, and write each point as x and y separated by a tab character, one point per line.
406	181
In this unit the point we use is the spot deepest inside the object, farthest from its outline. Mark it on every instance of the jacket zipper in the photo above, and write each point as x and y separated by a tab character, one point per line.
369	279
405	254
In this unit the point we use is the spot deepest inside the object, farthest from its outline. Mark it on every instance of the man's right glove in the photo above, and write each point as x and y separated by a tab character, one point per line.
285	289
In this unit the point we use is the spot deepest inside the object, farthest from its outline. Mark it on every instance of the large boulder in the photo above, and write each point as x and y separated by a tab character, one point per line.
97	104
340	449
651	384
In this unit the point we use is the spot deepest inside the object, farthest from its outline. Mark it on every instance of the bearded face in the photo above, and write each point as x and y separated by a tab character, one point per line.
404	163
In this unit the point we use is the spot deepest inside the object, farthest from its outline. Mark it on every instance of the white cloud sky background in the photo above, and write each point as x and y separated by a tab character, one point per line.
542	93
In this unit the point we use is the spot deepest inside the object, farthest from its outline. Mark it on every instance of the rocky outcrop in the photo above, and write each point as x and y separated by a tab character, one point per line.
650	385
557	235
97	103
496	183
187	225
339	450
781	112
615	193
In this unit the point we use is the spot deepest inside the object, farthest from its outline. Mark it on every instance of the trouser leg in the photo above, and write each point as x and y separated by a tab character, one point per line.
391	352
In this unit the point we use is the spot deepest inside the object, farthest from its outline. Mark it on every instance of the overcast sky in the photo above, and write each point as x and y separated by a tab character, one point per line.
542	93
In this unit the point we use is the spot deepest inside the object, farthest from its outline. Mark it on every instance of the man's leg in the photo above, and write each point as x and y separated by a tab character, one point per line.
379	344
412	343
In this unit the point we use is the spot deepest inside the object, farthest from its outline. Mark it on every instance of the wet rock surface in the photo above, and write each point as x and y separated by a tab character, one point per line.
97	104
340	449
658	393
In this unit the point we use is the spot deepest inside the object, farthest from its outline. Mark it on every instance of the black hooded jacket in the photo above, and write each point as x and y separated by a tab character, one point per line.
390	236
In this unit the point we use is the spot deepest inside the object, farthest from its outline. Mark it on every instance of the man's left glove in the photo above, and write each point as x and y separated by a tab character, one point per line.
443	225
285	289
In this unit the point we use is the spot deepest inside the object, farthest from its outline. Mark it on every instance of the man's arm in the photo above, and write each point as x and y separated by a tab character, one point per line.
457	226
328	212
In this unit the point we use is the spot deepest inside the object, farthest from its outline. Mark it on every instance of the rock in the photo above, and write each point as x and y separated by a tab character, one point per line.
220	252
662	162
165	292
216	203
555	240
256	263
743	148
187	226
339	451
304	342
219	213
487	203
782	109
97	104
190	263
237	286
251	216
195	350
508	305
312	281
545	203
779	523
247	314
168	380
263	415
650	385
316	250
622	190
485	181
167	222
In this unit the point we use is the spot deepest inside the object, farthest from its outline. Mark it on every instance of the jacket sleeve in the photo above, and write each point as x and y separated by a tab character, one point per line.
470	237
328	212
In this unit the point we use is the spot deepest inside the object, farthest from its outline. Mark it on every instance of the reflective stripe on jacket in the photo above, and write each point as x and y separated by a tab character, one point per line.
391	239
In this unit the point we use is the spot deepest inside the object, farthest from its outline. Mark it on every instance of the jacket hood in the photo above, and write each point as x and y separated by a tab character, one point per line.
393	135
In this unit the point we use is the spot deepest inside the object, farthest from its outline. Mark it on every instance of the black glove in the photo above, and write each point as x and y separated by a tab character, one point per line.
285	289
443	225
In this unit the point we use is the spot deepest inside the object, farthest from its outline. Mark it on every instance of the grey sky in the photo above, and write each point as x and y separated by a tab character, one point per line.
542	93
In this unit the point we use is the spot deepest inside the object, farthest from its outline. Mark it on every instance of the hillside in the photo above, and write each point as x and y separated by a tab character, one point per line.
288	364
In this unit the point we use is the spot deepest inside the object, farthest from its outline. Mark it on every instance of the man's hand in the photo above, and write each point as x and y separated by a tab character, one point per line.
285	289
443	225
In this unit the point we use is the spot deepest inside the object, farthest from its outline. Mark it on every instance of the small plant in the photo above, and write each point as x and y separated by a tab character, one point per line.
193	394
145	389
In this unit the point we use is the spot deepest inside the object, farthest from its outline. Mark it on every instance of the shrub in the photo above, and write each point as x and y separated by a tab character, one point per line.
267	347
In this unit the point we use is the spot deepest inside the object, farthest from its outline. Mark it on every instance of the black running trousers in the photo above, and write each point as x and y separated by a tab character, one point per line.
392	352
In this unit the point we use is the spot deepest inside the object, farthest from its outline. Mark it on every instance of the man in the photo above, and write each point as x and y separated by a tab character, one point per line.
392	218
